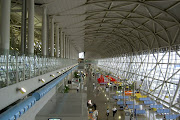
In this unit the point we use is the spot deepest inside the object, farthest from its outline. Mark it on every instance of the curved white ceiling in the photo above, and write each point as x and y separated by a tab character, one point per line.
105	28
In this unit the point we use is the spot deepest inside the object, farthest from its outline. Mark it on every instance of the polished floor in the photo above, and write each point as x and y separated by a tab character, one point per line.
72	105
104	101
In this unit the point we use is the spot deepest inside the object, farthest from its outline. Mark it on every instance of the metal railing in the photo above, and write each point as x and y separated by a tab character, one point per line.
15	68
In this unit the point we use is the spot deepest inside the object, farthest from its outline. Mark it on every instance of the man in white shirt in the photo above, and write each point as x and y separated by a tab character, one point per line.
114	111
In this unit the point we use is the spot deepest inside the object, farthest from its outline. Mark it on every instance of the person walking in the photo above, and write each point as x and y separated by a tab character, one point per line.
107	113
77	88
94	105
93	84
114	111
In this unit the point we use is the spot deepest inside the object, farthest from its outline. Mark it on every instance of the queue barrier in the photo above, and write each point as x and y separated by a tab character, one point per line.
172	116
156	106
161	111
144	99
149	102
140	112
18	110
135	106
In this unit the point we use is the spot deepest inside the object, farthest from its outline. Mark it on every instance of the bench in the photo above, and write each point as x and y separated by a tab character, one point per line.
140	112
120	102
135	106
149	102
172	116
129	102
144	99
156	106
120	97
160	111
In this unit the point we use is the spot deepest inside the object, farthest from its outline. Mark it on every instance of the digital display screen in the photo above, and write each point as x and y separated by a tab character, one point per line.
54	119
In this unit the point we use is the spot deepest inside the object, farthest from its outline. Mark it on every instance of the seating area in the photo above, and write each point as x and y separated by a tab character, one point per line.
129	102
162	111
156	106
144	99
120	97
135	106
149	102
137	112
172	116
120	102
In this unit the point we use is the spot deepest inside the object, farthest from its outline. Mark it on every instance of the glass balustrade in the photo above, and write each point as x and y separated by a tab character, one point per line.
15	68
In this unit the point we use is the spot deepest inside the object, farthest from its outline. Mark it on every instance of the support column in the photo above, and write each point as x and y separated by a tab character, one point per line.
31	27
44	32
61	41
57	40
67	48
64	43
23	27
70	50
52	37
48	37
5	25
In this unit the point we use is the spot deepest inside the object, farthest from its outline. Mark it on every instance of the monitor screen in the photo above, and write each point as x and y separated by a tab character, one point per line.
54	119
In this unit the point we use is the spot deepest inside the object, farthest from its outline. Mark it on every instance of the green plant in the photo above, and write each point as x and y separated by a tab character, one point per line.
66	89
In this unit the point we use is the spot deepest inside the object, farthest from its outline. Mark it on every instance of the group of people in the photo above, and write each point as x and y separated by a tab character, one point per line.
114	110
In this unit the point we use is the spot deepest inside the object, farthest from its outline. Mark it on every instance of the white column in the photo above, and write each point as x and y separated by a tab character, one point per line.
64	48
44	31
67	42
5	24
52	37
61	41
30	27
57	40
70	50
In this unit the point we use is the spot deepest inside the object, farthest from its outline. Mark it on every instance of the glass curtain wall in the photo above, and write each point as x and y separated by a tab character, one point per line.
158	70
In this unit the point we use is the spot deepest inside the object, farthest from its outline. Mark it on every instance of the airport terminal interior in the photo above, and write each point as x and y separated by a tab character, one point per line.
89	59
